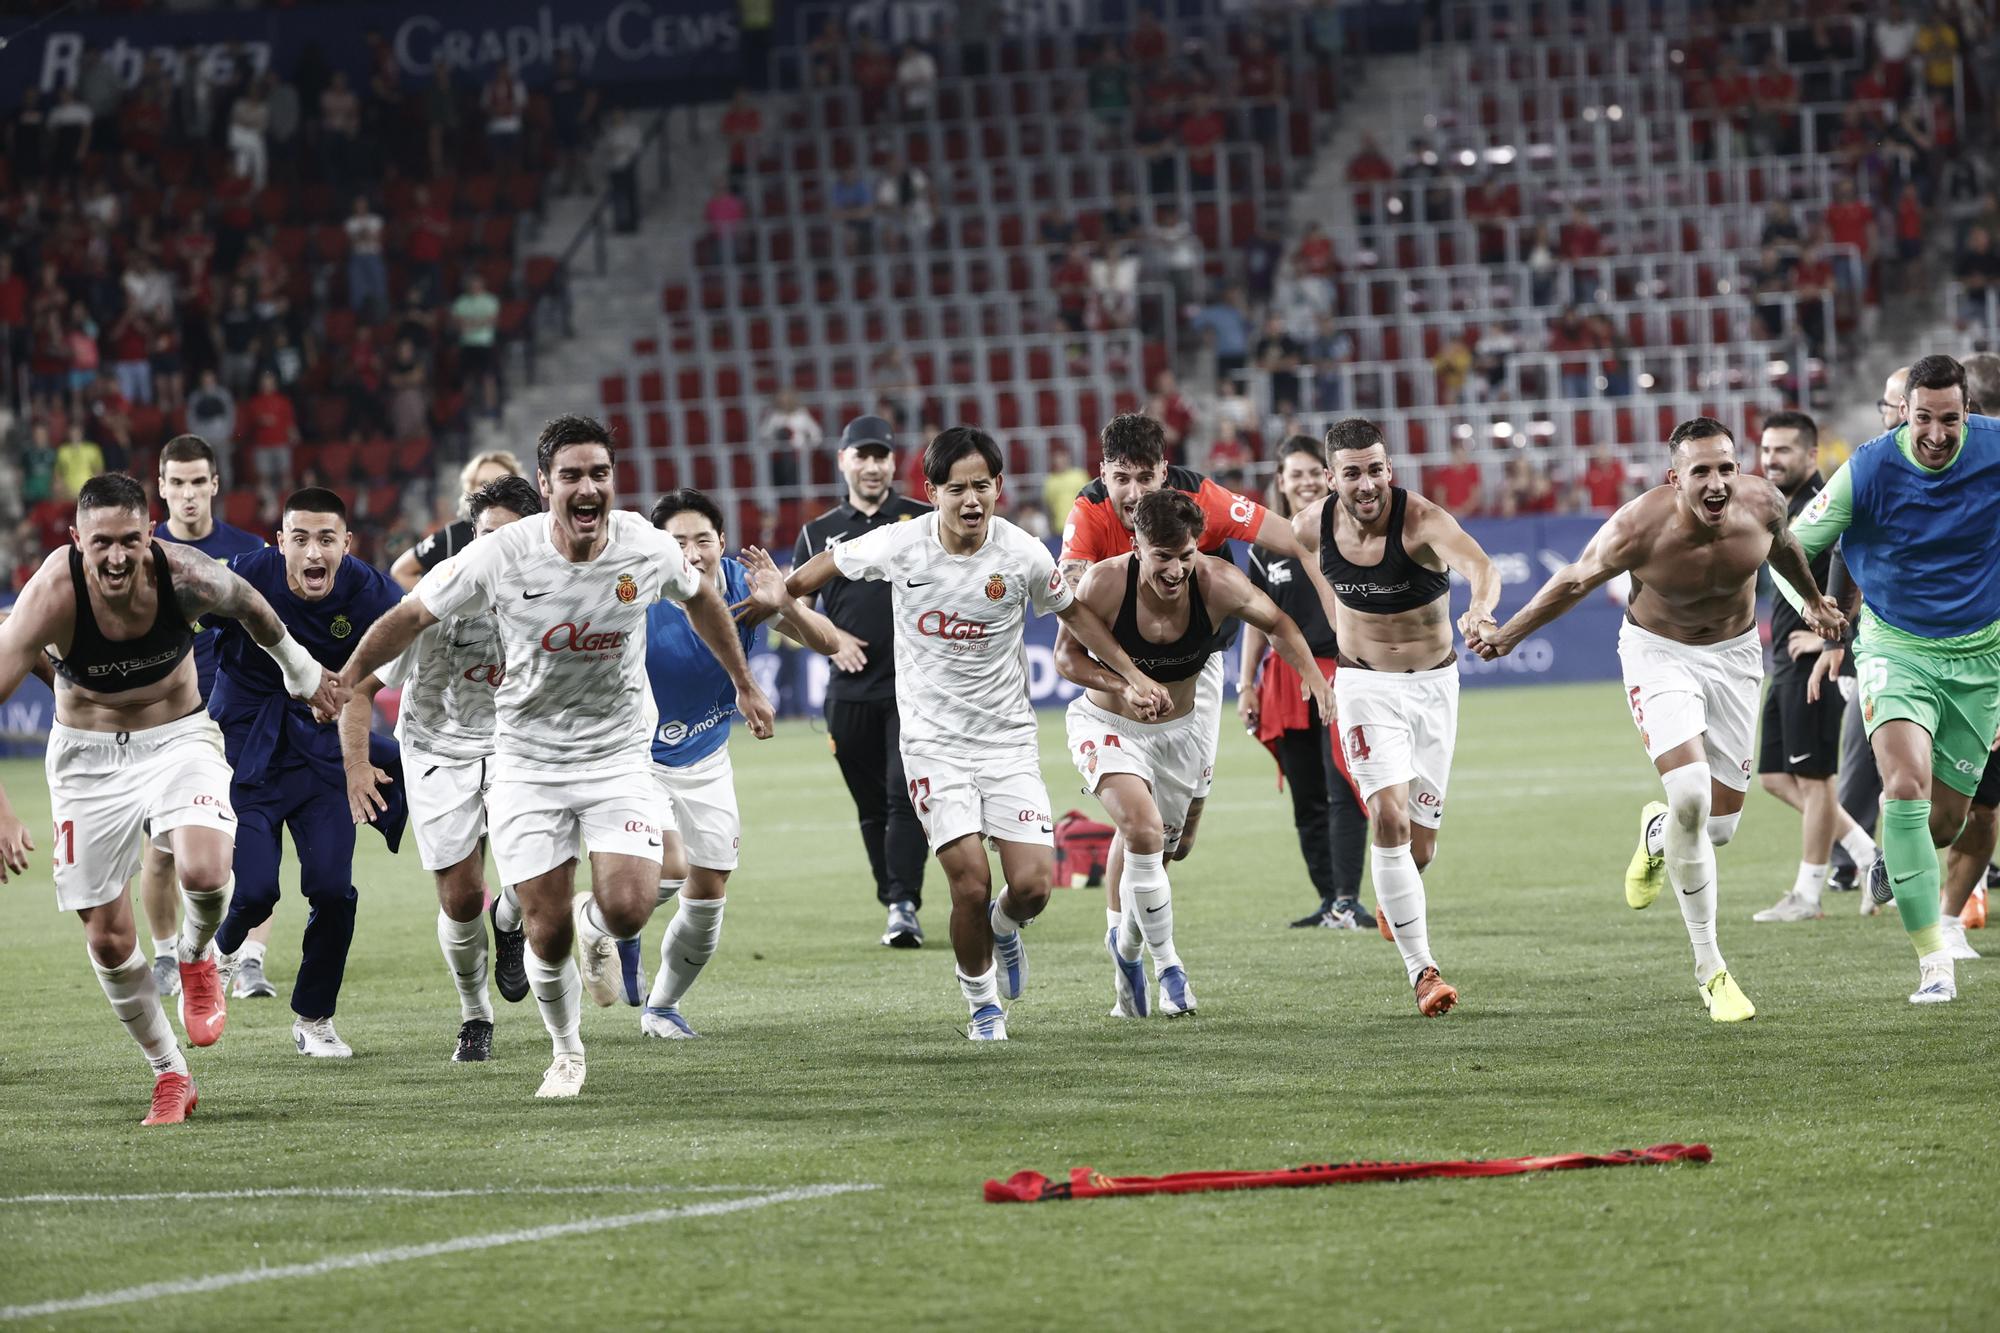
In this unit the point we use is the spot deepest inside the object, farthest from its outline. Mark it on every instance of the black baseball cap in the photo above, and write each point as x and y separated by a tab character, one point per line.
869	432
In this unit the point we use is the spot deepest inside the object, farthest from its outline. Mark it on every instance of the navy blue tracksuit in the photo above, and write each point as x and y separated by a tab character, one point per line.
289	772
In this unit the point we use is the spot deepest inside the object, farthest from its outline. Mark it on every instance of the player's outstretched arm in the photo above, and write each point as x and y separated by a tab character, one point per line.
1789	562
1145	696
1613	551
206	588
1241	598
806	580
709	615
364	780
23	634
795	616
1437	529
408	571
386	639
1073	661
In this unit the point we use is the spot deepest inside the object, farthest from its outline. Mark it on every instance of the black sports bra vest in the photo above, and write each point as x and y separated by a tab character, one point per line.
1395	583
1164	662
110	666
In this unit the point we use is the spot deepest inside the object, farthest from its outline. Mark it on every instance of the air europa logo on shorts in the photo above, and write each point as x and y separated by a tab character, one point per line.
945	625
568	638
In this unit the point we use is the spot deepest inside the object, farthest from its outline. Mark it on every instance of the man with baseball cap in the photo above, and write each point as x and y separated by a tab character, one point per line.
861	714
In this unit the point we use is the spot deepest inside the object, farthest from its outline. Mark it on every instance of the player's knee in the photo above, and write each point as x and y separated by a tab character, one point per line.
623	916
204	872
1688	797
1144	836
1905	786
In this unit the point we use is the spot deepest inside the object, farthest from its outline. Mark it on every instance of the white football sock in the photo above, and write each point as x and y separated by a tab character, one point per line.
1399	897
981	990
557	987
507	915
136	1000
1811	881
251	949
1152	905
464	945
1721	828
1690	856
201	914
1131	940
685	949
668	888
1004	922
594	920
1860	848
1113	918
168	947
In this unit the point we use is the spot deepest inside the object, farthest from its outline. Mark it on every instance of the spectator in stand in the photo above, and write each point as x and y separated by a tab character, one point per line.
1909	229
894	381
1175	252
1770	279
1526	488
1280	355
1774	107
1851	222
1369	170
1579	239
1453	367
790	432
408	382
1895	35
1108	90
211	414
271	430
1071	281
236	333
916	81
873	74
826	55
1228	454
1612	369
1977	270
1781	232
1329	350
367	274
1122	220
1812	283
572	113
38	466
1225	321
725	214
1114	285
77	460
1201	131
1174	411
441	118
1064	483
742	126
504	101
149	289
426	230
131	354
1571	334
1603	485
1731	92
70	127
1317	266
1544	272
283	358
1263	261
339	129
853	206
84	357
1491	203
476	316
1936	49
14	326
1260	81
1458	484
903	199
1876	85
110	417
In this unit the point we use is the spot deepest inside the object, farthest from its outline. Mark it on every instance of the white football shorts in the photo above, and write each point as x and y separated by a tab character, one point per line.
1400	726
1000	794
703	798
536	826
1678	691
447	806
1173	758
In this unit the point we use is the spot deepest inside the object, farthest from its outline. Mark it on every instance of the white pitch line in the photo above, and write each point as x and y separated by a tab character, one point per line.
376	1192
405	1253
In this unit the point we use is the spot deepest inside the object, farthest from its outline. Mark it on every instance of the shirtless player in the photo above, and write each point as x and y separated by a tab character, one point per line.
1389	556
1692	662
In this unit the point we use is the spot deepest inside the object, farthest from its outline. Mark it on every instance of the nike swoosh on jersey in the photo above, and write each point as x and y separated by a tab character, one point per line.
531	596
914	584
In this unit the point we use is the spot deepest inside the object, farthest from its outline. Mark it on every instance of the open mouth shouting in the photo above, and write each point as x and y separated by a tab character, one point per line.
317	580
586	516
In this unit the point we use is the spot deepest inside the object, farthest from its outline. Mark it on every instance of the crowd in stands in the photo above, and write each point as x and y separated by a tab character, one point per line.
315	276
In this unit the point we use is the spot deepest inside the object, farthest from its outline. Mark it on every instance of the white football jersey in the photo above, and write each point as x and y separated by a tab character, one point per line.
574	701
961	663
450	677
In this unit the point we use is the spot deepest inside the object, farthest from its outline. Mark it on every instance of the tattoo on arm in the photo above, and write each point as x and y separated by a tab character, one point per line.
1073	571
204	587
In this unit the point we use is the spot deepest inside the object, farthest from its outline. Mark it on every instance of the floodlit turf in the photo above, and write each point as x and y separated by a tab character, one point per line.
1850	1186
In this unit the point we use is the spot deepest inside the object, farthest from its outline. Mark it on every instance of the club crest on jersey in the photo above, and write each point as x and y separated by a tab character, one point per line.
341	627
996	588
627	590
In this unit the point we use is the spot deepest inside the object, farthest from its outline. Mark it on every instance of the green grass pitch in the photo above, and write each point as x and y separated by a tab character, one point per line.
1850	1186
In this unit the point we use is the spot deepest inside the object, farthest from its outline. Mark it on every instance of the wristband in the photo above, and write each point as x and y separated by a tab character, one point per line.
300	668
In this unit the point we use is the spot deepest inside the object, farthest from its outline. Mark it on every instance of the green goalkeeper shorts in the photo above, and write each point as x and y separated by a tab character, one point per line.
1955	699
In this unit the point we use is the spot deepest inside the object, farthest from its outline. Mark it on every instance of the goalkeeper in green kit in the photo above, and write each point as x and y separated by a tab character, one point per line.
1917	513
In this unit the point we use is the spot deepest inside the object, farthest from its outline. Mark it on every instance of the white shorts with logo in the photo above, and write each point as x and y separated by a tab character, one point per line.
1208	706
447	806
1400	726
1173	758
538	825
1678	691
703	799
999	794
113	791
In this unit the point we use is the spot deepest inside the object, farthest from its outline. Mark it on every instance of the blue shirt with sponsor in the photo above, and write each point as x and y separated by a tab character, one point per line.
221	543
696	698
263	728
